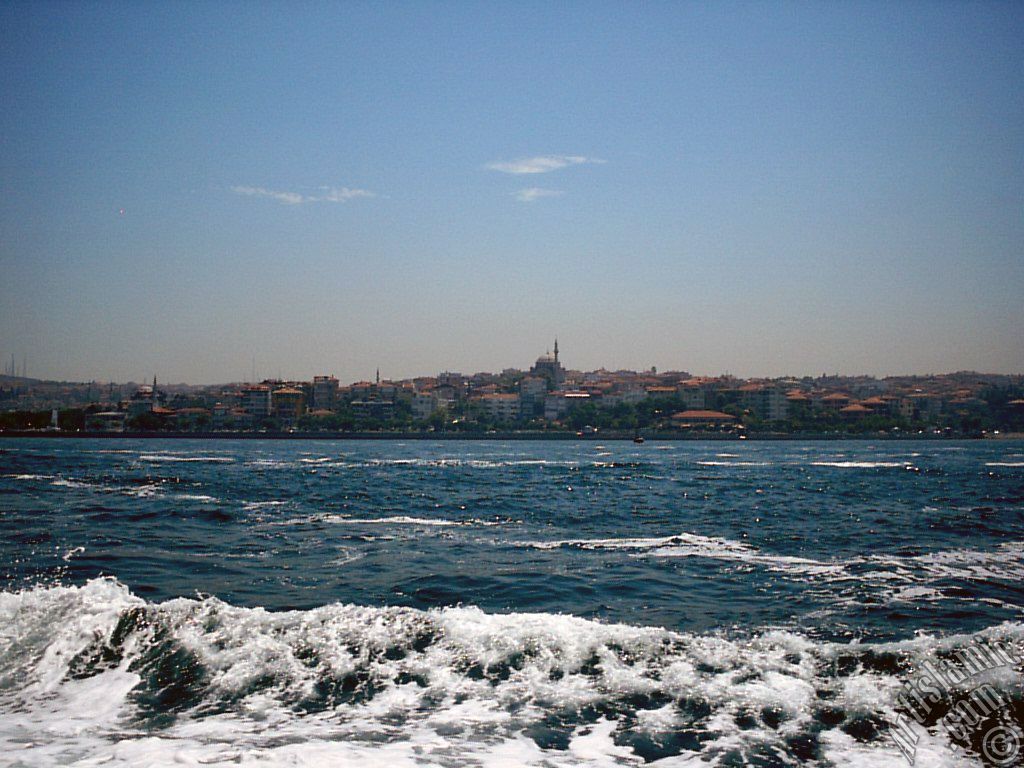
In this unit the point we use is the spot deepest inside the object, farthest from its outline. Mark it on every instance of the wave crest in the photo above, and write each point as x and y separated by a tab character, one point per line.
203	679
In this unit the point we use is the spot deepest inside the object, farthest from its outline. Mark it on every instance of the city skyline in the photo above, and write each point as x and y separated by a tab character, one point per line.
761	190
15	369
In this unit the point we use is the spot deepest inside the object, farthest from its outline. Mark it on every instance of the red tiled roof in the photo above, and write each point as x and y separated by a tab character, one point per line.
702	416
854	409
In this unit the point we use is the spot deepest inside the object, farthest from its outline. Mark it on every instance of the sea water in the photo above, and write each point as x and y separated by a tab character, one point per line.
218	602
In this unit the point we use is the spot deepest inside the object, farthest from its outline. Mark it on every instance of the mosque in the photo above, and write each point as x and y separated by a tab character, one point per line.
547	367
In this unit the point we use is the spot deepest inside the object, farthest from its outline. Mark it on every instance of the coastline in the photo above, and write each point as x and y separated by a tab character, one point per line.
497	436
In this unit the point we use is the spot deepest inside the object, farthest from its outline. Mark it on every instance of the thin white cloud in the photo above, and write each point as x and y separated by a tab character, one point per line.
541	164
342	194
330	195
291	198
530	194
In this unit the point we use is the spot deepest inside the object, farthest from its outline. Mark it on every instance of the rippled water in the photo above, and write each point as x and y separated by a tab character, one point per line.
523	603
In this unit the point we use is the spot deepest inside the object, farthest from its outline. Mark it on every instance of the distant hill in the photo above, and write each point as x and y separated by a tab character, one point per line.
20	381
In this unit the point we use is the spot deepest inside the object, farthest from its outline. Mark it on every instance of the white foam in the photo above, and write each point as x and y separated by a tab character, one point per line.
346	555
63	482
394	520
165	457
453	686
406	520
686	544
66	557
840	748
710	463
446	462
253	505
894	578
145	491
1006	562
860	464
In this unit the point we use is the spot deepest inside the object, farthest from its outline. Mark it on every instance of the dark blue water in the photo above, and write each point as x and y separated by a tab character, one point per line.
807	547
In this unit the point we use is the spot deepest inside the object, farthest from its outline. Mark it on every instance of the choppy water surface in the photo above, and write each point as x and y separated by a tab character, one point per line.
523	603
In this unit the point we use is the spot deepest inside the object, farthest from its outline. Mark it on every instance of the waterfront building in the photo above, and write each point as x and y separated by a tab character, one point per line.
660	391
557	404
374	409
105	421
448	393
451	386
922	406
325	393
701	419
362	390
797	403
289	404
220	415
768	402
255	400
692	394
532	390
425	404
626	394
875	404
855	411
834	402
144	400
500	406
238	418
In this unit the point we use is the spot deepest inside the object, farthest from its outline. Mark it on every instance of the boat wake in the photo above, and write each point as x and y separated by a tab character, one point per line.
95	675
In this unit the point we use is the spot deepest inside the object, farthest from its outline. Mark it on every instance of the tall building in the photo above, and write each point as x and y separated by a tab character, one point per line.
325	393
289	404
532	390
255	400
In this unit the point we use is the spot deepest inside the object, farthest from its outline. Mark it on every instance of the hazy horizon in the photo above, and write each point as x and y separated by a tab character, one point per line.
343	381
754	189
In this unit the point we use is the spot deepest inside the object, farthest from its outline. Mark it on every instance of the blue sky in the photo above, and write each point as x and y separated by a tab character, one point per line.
328	188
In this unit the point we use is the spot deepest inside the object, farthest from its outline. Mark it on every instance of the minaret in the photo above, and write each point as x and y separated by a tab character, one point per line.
556	349
378	377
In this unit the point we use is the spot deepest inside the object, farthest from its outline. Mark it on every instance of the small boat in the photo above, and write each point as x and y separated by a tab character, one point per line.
638	439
